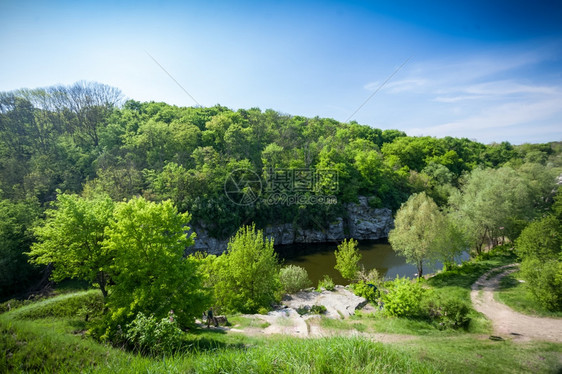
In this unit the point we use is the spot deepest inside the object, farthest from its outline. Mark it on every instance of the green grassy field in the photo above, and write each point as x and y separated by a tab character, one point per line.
49	336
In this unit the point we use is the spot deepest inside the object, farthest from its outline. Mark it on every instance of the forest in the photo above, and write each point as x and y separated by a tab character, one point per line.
85	139
103	190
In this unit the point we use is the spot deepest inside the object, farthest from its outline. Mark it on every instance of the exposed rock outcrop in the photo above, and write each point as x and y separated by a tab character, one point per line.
365	222
361	222
338	303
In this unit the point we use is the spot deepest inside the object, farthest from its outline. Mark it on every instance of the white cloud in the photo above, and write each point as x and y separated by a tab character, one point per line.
504	118
489	98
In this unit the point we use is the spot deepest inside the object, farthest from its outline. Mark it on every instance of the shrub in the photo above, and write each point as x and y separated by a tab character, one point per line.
303	309
371	276
545	281
326	283
446	311
347	259
314	309
367	290
148	335
294	278
403	298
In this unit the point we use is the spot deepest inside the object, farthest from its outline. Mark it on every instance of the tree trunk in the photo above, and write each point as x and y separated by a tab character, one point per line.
102	281
420	269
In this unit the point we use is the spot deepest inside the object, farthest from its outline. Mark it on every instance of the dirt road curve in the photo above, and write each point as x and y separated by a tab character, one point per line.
506	321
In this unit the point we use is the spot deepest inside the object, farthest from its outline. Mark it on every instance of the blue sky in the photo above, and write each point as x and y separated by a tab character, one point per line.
486	70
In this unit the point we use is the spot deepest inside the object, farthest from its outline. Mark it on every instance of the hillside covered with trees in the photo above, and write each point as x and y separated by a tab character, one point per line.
85	139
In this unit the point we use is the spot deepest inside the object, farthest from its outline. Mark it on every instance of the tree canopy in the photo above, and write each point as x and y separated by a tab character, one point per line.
247	275
418	226
71	238
147	242
84	139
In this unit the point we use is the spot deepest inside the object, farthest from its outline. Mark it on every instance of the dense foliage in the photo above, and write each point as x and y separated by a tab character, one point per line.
16	219
246	277
149	335
347	259
149	271
71	238
84	139
402	297
540	248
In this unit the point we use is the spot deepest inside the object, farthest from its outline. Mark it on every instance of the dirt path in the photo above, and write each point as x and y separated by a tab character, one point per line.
506	321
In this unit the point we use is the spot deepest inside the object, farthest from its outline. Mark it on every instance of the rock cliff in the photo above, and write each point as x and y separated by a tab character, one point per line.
361	222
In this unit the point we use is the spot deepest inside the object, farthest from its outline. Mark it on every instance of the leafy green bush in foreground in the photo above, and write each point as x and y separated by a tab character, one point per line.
408	299
147	334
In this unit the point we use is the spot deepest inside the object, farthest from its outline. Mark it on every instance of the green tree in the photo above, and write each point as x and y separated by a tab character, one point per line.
450	243
417	228
540	247
71	239
493	203
147	241
248	273
16	219
347	259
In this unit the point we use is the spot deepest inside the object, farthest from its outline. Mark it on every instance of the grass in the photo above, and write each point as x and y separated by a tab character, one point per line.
50	345
517	296
252	322
474	354
65	305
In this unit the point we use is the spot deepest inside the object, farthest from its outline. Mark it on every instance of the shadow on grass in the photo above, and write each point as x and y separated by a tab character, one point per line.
209	339
508	282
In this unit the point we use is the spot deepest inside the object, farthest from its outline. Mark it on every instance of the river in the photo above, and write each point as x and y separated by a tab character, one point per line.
319	259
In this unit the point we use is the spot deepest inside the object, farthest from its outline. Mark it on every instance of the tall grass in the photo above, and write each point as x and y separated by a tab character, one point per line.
32	346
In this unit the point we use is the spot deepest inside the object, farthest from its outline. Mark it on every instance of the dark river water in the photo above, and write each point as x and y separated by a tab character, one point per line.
319	259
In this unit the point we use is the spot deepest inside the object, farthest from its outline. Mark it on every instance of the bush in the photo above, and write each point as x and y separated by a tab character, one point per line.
347	259
326	283
371	276
447	311
403	298
367	290
148	335
545	281
294	278
315	309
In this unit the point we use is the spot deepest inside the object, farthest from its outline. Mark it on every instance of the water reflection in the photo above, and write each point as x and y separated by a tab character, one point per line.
319	259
